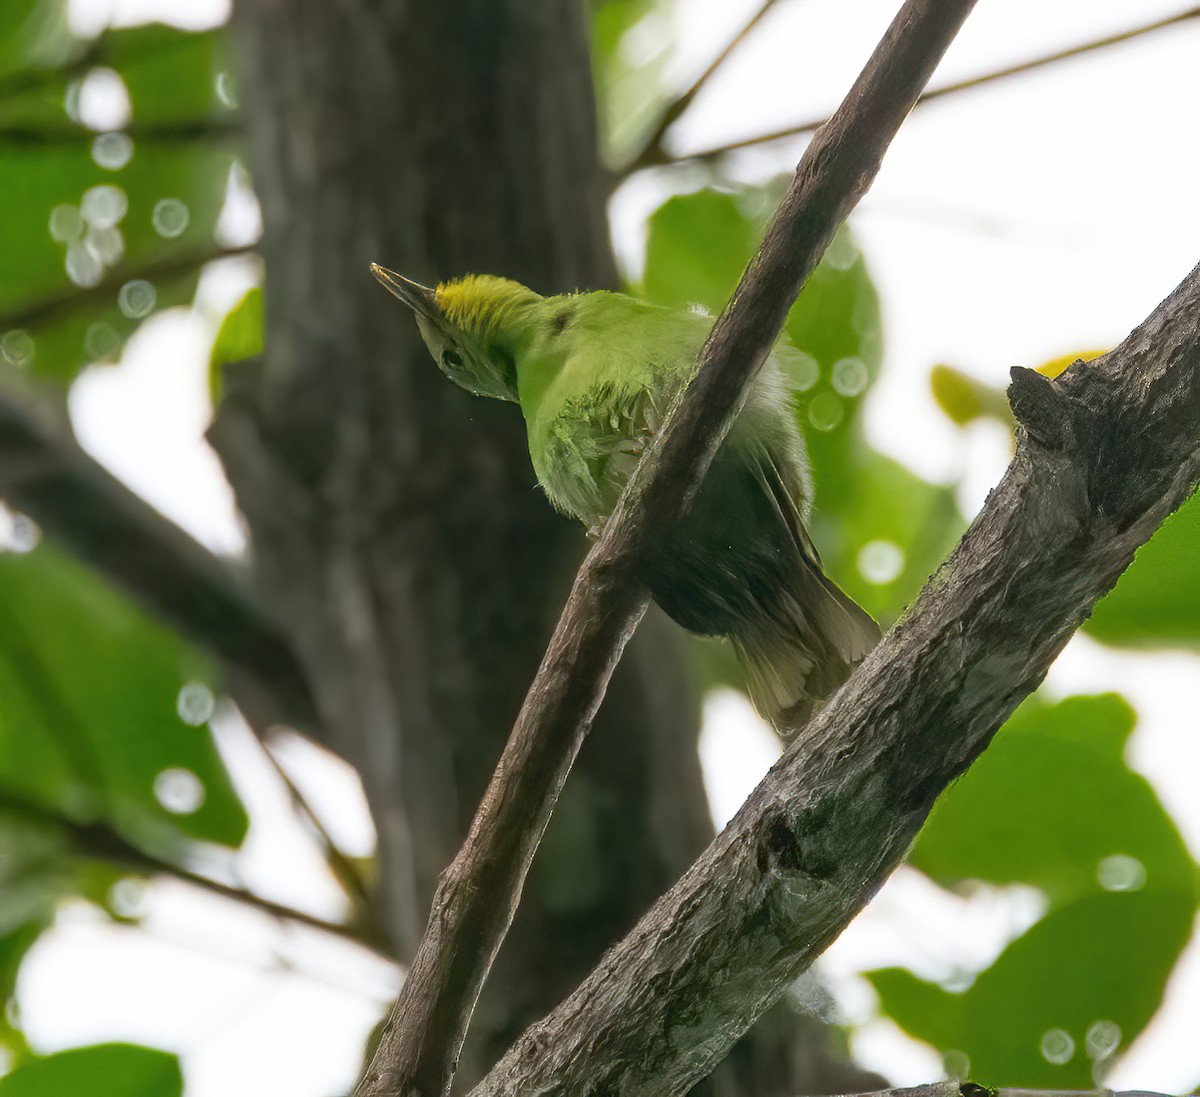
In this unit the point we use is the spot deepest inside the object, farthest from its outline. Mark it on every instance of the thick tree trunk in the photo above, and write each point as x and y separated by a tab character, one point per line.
396	528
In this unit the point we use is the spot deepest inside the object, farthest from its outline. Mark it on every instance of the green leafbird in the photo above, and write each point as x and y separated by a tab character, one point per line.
594	374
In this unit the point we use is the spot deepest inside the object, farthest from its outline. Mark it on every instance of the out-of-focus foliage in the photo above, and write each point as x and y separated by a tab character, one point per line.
115	154
1052	804
1156	603
239	337
630	51
115	163
103	740
95	709
103	1070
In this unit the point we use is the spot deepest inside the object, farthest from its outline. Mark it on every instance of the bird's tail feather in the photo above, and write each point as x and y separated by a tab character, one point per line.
804	651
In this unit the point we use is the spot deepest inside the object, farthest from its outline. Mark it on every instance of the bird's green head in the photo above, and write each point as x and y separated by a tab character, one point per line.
470	326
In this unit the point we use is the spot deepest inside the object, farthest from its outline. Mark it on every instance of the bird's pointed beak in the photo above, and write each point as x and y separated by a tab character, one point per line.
421	299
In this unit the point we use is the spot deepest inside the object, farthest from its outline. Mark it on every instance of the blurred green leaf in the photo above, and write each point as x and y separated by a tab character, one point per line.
1052	803
697	248
239	337
170	74
881	528
964	399
89	721
103	1070
71	326
1156	602
77	233
33	33
1101	961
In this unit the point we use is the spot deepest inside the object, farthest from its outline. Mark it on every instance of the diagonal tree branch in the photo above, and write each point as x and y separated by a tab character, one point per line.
479	892
654	155
1104	454
110	528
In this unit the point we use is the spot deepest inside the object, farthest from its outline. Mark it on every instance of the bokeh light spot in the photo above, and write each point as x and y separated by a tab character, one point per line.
850	376
66	223
102	101
84	266
1103	1039
195	704
1120	872
101	341
880	562
170	217
826	411
112	151
16	347
136	298
802	369
1057	1046
179	791
104	206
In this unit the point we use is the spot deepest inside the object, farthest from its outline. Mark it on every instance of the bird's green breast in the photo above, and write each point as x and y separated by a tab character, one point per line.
594	377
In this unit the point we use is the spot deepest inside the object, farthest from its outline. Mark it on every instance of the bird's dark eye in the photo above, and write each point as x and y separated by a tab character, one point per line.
451	359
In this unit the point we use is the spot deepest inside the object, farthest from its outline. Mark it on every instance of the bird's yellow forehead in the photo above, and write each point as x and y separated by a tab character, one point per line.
479	302
468	302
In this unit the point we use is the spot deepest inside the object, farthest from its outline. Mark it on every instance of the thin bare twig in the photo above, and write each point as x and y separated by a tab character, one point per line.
651	151
99	841
479	892
339	864
217	128
49	305
655	155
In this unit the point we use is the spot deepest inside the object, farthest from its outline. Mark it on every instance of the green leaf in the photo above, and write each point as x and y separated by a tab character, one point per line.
1105	958
33	33
882	530
239	337
170	74
89	721
697	248
964	399
167	198
630	43
1052	803
1156	602
70	326
103	1070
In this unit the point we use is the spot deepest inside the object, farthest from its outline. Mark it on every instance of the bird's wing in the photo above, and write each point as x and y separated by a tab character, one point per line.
843	622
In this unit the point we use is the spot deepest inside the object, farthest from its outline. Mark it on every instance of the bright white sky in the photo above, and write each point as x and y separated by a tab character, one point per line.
1043	215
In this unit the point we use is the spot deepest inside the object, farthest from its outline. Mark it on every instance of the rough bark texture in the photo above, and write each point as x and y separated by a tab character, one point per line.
397	534
1103	456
